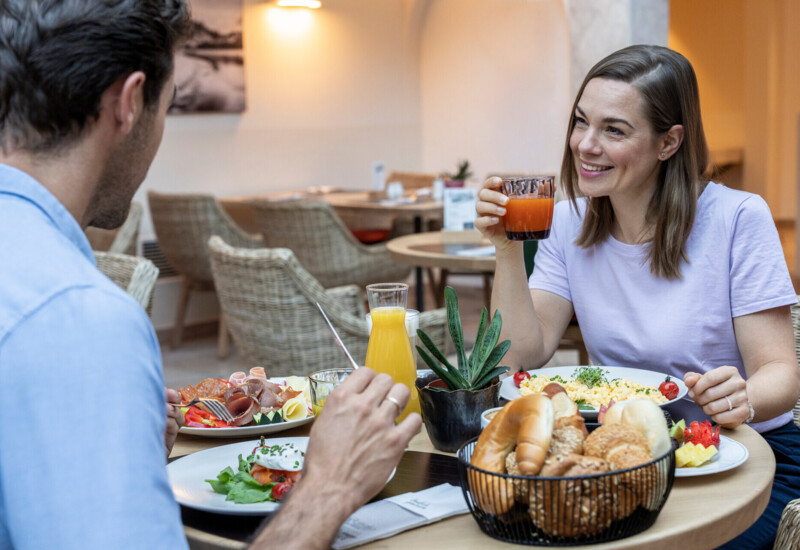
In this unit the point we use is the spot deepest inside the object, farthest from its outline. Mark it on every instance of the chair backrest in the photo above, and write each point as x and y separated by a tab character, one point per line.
411	180
122	240
316	235
134	274
269	302
183	225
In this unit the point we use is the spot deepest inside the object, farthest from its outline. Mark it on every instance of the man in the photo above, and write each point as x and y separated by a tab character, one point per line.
84	89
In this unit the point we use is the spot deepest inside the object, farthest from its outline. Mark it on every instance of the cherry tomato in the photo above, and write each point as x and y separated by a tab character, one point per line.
669	389
280	490
519	376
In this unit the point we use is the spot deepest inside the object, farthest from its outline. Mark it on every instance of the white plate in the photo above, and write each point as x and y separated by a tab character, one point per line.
731	454
248	431
650	378
245	431
188	475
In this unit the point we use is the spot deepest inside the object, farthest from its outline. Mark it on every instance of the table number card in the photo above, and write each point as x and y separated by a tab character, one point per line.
459	208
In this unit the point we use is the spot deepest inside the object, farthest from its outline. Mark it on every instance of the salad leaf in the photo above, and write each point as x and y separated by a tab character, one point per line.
240	487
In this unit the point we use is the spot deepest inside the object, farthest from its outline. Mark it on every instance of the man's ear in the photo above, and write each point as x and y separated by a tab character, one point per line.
130	102
671	142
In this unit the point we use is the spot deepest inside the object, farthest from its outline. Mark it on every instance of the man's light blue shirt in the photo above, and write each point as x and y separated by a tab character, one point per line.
82	408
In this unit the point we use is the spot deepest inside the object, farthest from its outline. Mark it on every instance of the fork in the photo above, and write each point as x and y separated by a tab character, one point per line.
216	408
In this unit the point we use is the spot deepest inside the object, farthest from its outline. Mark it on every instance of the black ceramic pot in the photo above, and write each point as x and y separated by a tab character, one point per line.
453	417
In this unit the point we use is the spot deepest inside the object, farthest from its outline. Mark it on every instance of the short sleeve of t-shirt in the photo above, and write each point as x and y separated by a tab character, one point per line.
758	273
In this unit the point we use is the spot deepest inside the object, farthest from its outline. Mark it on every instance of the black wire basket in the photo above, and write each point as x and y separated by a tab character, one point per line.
566	511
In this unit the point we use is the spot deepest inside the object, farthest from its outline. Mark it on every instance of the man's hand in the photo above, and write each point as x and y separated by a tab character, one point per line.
174	419
353	448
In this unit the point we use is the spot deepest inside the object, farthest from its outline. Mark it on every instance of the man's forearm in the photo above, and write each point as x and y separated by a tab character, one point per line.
308	520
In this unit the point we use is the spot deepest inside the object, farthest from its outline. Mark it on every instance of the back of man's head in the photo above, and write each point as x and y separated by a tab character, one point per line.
57	57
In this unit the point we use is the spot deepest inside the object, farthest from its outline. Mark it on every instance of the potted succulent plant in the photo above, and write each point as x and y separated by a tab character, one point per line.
453	397
457	179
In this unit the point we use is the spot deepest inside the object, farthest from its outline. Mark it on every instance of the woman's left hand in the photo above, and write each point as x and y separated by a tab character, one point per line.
721	393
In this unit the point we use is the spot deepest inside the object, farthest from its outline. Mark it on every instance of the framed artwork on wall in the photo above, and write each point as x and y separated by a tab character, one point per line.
209	67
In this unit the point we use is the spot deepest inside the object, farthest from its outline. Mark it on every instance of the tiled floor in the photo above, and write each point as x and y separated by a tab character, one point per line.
196	360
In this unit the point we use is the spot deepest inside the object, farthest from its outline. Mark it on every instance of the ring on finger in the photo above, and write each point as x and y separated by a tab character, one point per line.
395	402
730	405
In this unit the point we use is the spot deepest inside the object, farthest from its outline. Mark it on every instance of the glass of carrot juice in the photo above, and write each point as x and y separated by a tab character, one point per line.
529	212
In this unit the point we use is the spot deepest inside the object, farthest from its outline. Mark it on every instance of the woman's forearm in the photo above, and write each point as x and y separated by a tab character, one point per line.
511	296
773	389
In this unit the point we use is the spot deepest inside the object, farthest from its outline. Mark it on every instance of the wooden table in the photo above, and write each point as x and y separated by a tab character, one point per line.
362	204
701	512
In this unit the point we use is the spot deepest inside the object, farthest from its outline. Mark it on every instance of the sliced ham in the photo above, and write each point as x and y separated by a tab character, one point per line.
237	378
242	407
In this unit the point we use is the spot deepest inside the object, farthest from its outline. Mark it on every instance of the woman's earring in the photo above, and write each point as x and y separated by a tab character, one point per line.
662	156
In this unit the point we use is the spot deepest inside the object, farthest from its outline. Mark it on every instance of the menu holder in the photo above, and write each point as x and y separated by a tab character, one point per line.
459	208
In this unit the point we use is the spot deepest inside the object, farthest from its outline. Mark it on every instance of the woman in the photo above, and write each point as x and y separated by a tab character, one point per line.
663	269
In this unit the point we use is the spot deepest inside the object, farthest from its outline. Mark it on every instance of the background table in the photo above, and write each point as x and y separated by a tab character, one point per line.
701	512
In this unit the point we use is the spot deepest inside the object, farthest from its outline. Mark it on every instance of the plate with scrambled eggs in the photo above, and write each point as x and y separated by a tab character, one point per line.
593	386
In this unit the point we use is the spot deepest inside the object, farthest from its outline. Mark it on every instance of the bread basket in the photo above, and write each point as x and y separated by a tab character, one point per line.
566	511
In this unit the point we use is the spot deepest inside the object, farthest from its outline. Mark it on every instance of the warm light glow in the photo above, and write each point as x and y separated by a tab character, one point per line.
313	4
289	22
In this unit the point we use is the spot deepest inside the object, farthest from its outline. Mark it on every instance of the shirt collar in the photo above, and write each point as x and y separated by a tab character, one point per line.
16	182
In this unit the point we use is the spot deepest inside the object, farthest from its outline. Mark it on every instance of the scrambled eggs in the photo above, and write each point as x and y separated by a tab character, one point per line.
601	393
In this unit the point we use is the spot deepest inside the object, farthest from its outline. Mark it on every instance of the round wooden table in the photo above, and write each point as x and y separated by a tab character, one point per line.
443	249
701	512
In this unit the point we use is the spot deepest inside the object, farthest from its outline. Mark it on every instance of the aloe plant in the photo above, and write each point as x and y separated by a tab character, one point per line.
477	371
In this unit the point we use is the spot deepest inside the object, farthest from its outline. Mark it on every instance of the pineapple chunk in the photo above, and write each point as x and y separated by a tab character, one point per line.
691	455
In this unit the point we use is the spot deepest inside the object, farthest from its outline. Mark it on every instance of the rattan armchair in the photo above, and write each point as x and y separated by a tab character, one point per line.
183	225
324	245
134	274
270	301
788	535
122	240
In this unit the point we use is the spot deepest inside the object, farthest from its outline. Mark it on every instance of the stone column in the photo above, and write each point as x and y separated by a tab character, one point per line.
600	27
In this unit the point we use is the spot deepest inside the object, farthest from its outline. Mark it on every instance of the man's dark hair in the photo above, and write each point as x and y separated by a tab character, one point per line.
57	57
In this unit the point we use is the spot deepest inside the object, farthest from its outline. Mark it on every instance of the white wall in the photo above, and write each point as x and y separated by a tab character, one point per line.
495	85
323	103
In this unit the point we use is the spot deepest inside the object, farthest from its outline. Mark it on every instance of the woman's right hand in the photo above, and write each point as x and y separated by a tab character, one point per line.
491	209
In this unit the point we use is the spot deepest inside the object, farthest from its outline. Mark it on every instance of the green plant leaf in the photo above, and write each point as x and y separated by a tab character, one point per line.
456	334
488	377
452	381
488	344
497	355
426	340
474	362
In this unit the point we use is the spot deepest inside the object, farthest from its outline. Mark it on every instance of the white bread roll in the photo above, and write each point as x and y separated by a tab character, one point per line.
647	418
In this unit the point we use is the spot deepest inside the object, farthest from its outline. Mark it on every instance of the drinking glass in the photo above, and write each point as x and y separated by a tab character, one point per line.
389	348
529	211
322	384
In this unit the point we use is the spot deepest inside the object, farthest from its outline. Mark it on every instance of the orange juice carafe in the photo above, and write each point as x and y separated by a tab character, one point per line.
389	349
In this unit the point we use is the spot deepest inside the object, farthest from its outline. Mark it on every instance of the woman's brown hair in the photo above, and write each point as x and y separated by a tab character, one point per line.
668	86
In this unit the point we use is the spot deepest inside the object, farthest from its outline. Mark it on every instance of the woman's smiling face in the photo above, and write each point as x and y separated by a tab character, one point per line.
615	150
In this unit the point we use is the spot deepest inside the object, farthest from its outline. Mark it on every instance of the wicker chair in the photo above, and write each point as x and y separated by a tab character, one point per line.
122	240
183	225
788	535
324	245
270	300
134	274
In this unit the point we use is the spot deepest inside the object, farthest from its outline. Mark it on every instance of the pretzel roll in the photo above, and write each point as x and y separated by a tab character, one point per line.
553	388
526	423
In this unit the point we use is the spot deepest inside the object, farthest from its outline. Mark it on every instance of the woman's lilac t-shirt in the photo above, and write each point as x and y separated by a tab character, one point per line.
630	318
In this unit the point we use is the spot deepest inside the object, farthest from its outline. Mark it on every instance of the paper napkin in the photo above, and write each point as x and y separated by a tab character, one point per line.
390	516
